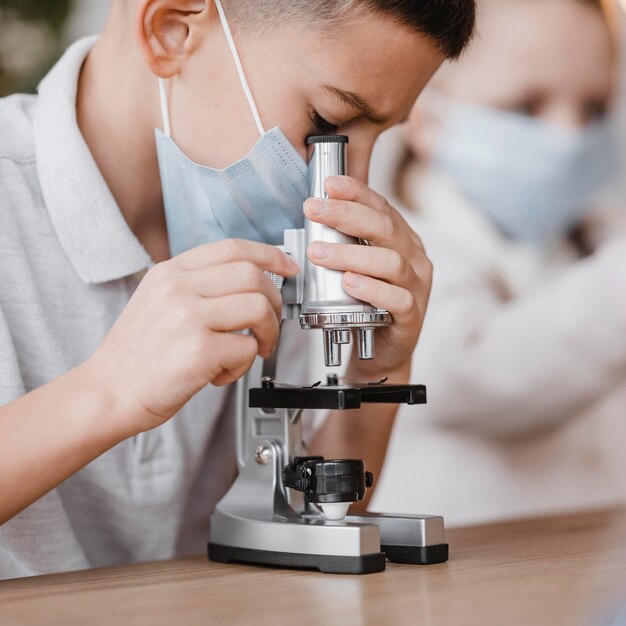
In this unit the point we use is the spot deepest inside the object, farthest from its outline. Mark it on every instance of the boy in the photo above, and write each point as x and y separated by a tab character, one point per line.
93	354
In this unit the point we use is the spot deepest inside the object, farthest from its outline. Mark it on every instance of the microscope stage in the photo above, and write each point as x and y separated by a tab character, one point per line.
334	397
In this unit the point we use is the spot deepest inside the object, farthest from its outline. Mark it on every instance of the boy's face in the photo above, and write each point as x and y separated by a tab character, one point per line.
553	60
297	73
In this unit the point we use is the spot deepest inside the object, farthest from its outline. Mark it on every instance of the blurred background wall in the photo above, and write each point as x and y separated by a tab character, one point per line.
33	33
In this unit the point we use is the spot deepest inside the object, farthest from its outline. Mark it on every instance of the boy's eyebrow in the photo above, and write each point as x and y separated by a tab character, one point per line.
357	102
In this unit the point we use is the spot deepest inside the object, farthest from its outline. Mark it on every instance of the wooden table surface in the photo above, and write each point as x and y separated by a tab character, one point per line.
568	570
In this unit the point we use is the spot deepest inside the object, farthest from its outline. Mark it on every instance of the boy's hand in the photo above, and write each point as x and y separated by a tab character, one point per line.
178	332
393	273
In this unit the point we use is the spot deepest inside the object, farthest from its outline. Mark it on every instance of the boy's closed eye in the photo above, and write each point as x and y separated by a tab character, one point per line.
321	125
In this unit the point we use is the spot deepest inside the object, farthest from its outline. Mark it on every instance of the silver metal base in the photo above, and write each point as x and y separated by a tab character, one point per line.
402	539
256	523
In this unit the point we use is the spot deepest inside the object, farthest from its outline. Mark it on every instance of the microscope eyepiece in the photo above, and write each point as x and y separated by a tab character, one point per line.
327	139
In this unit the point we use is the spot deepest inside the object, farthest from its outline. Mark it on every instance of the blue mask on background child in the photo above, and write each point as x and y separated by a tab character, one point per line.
257	198
533	180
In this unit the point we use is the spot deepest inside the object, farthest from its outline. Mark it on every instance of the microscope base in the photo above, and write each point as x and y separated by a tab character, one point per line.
359	545
366	564
417	555
410	539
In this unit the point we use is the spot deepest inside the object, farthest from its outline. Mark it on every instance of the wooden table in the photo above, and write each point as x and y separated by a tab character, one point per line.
568	570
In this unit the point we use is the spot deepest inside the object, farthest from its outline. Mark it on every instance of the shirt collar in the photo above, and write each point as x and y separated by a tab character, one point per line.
87	220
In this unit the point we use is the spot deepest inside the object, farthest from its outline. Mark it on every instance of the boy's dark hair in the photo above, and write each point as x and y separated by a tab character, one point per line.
449	24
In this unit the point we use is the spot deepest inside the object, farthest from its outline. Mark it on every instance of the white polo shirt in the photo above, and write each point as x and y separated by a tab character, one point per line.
69	263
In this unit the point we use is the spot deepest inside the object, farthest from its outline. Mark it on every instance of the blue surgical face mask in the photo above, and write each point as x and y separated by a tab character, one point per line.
532	180
256	198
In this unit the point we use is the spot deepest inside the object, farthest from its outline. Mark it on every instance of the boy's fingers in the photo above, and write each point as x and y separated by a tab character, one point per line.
372	261
233	278
248	311
238	354
400	302
265	256
354	219
347	188
356	210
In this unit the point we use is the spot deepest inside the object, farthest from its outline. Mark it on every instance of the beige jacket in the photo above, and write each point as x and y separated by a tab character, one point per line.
524	356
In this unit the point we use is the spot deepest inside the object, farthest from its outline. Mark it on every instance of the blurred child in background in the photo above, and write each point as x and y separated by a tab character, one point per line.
524	346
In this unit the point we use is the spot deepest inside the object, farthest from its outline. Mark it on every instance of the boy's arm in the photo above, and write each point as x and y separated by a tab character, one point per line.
49	434
175	336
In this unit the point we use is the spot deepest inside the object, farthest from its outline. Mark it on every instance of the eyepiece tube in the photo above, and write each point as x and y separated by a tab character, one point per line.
325	304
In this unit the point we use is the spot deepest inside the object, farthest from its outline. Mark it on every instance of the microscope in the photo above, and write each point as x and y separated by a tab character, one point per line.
289	509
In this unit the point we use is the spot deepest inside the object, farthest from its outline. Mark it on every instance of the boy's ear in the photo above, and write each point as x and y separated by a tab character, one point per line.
168	31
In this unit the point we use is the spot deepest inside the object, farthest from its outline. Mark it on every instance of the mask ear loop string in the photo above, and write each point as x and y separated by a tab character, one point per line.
165	109
240	71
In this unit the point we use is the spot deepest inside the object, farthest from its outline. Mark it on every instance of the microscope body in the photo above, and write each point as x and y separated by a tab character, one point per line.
289	509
